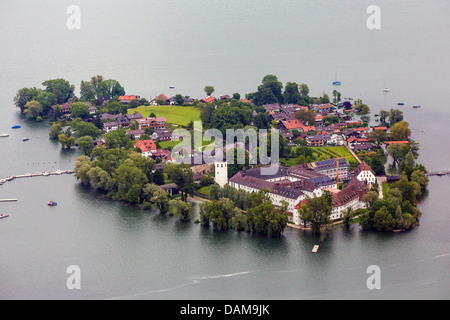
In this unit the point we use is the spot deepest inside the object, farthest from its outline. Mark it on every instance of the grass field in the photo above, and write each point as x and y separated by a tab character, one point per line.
180	115
323	153
336	152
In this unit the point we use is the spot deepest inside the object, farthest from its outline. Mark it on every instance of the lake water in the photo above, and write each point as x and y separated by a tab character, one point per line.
126	253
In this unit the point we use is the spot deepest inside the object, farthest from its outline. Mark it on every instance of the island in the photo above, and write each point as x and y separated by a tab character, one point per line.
334	168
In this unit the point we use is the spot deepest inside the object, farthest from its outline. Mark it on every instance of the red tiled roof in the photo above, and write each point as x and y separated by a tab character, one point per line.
363	166
293	124
394	142
208	99
345	196
162	97
128	97
380	128
145	145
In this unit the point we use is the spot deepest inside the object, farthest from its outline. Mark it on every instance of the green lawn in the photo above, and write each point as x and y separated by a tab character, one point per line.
336	152
323	153
180	115
385	187
205	190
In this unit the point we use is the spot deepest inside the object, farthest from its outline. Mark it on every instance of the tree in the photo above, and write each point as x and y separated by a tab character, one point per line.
274	87
384	115
57	111
55	130
25	95
394	150
370	197
304	91
158	177
400	131
33	109
209	90
395	116
118	139
236	96
421	178
349	214
383	220
86	144
291	93
110	89
161	200
378	136
83	128
66	141
79	110
114	107
308	117
61	88
181	209
317	211
183	177
47	100
179	99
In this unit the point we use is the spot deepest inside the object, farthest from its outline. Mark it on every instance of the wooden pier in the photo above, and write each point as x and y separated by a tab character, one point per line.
36	174
438	173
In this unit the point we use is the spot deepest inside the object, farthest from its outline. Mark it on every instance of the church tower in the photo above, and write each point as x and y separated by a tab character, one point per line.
221	171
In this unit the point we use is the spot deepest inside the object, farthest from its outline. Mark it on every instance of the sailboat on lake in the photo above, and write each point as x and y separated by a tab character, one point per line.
336	82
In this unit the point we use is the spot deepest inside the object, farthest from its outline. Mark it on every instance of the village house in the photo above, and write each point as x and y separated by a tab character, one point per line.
152	123
208	99
275	107
128	99
162	98
135	134
147	147
323	108
364	146
162	135
365	174
110	126
318	140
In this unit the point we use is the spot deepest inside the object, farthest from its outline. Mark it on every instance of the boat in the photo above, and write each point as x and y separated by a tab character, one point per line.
416	106
315	249
4	135
3	215
172	87
335	82
386	89
26	139
15	127
400	104
52	203
440	174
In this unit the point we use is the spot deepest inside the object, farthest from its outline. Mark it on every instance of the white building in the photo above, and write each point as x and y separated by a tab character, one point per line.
365	174
221	173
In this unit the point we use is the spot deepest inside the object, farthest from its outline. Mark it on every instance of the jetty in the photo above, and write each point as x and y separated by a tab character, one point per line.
438	173
36	174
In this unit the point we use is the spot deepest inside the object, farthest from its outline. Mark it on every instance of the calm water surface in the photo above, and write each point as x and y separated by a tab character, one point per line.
126	253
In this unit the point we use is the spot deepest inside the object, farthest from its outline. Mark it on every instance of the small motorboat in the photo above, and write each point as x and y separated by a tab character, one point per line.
172	87
416	106
400	104
25	139
3	215
4	135
52	203
16	127
336	83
